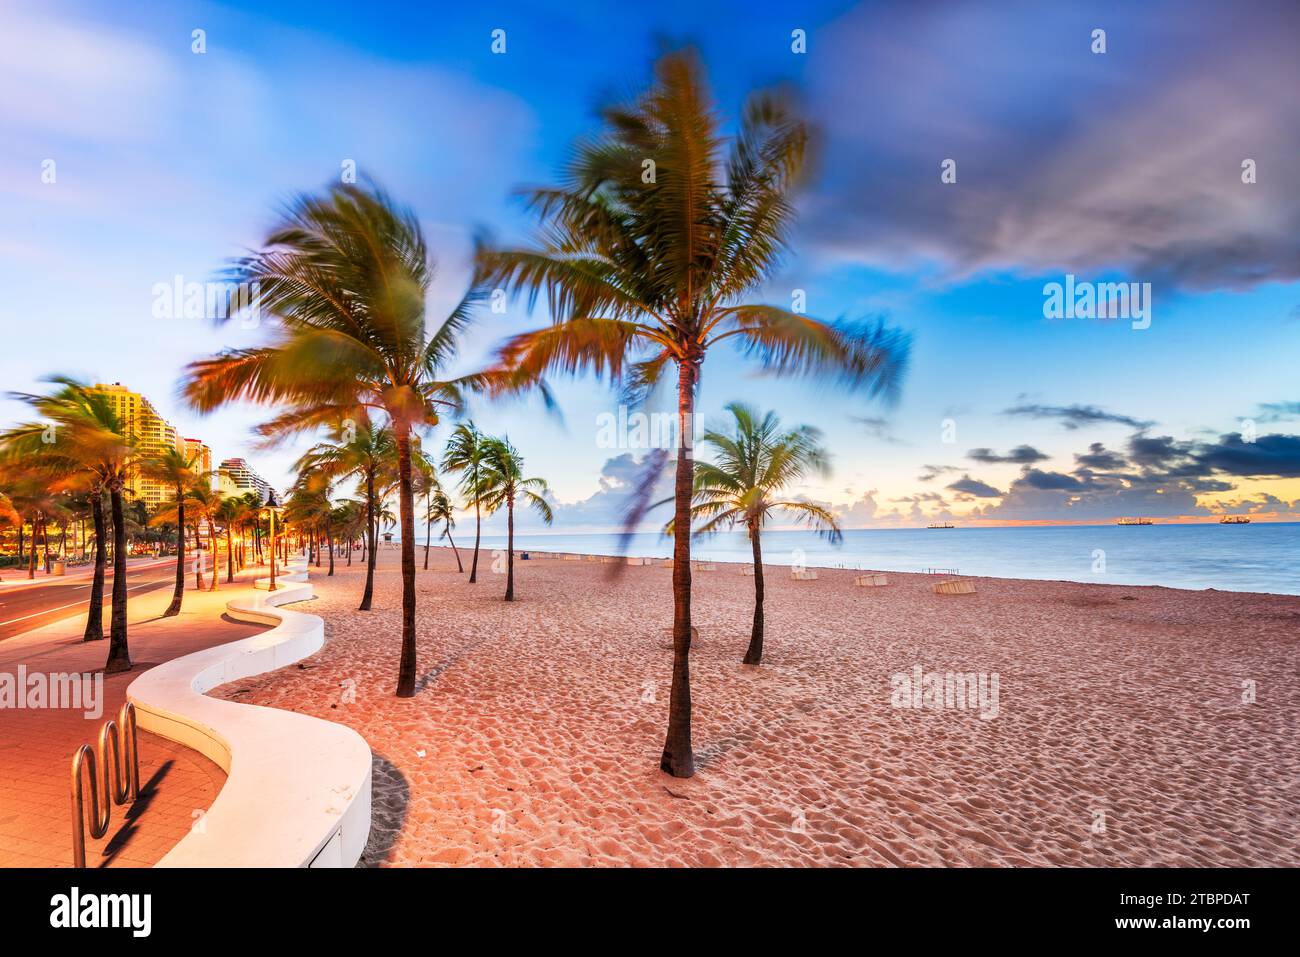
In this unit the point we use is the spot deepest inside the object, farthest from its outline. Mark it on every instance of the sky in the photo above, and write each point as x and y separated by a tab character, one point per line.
970	156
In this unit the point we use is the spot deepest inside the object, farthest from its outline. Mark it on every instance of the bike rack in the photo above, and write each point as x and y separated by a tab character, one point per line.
118	783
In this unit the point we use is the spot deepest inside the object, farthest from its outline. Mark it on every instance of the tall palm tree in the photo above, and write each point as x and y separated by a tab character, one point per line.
230	510
349	519
441	510
424	485
463	456
503	484
178	472
647	267
361	449
8	515
345	277
754	461
82	435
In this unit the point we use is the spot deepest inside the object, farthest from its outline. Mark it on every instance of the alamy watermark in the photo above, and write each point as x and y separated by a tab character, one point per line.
646	430
179	299
61	690
946	690
1081	299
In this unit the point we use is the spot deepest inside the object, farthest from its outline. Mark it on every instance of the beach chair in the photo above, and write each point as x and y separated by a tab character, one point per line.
955	586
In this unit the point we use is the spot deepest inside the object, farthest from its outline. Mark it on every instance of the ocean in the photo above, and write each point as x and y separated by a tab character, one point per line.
1258	557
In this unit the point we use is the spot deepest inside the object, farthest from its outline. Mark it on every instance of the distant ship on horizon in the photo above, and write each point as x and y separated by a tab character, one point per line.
1234	520
1135	521
941	525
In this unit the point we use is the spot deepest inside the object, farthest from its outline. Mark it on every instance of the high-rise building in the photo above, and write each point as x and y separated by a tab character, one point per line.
199	454
154	435
236	477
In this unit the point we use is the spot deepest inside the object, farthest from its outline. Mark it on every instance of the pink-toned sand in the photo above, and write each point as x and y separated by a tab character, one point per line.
535	735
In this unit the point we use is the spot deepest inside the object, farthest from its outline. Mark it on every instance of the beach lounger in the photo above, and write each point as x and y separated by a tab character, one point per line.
871	581
955	586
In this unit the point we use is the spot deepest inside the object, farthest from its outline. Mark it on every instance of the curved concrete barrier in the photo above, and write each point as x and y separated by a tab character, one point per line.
297	792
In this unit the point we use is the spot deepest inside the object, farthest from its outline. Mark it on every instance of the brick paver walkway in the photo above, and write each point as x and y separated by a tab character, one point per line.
36	745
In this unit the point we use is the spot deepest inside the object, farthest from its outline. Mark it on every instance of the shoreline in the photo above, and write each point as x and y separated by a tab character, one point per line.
856	569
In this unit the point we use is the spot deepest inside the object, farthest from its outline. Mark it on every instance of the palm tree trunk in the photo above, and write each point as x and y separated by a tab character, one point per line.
330	538
428	526
31	559
119	656
349	543
369	593
230	555
95	614
212	542
510	549
678	758
198	559
455	551
478	532
178	593
754	654
406	500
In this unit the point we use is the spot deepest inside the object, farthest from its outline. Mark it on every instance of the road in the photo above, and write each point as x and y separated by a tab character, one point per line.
25	608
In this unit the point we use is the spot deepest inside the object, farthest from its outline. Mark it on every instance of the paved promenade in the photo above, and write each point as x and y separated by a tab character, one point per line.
36	745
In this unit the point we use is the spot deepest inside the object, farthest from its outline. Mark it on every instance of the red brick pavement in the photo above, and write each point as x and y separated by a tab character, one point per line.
36	745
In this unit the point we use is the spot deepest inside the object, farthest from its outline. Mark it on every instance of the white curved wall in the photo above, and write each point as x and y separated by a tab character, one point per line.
297	792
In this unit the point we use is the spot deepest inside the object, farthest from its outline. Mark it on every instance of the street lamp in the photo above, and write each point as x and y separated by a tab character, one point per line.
271	507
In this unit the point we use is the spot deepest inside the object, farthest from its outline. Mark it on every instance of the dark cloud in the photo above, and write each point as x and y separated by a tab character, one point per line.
1049	481
1269	456
1278	411
878	428
1020	455
1075	416
932	472
1126	162
1156	451
974	487
1101	458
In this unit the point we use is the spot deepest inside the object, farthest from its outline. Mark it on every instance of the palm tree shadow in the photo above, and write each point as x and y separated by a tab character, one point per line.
434	673
389	796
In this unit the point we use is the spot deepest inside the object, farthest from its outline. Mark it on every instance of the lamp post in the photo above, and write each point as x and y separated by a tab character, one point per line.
272	507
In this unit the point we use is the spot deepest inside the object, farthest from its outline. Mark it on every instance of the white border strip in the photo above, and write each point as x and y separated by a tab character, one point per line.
297	792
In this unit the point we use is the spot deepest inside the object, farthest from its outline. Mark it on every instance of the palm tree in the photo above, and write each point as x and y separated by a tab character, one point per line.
441	510
82	436
177	471
647	267
229	512
360	449
8	515
464	456
502	485
349	518
753	463
424	485
346	276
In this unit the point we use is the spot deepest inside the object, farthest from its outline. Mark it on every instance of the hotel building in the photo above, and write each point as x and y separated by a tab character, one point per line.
236	477
153	436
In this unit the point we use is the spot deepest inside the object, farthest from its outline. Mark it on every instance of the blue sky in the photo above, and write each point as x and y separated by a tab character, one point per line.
1122	165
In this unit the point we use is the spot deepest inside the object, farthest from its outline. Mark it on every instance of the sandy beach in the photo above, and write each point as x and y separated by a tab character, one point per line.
1120	736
